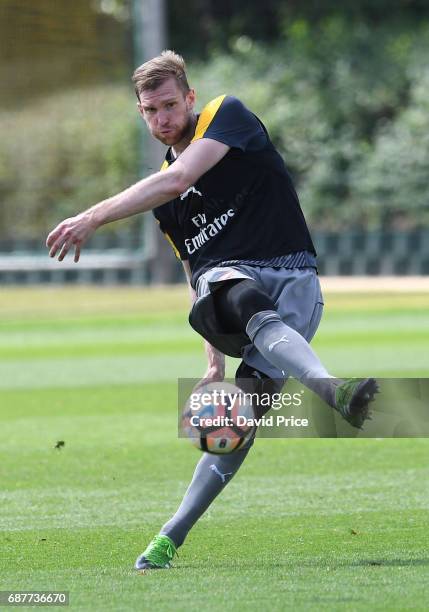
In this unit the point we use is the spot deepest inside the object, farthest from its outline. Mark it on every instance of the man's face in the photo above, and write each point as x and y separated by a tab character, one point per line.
167	111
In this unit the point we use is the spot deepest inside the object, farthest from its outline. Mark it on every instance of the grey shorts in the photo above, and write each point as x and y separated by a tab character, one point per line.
296	294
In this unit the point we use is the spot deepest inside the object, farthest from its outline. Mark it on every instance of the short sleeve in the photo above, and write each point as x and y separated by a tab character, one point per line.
227	120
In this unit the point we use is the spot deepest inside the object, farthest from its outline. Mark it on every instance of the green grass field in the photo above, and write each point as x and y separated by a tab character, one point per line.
306	524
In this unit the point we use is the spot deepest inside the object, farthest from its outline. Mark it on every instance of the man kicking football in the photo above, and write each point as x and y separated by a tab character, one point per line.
226	203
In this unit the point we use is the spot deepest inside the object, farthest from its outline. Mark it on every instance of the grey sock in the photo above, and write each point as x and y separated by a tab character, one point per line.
288	351
212	474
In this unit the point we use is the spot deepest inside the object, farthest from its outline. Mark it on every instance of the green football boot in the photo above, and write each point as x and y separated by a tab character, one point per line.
158	554
352	399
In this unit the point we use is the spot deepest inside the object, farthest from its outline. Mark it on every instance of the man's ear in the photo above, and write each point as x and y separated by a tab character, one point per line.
140	109
190	99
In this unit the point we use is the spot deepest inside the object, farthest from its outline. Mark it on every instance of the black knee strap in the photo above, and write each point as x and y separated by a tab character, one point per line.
222	315
236	302
205	321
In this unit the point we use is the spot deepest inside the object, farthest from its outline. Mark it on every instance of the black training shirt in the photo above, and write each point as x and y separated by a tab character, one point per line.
245	207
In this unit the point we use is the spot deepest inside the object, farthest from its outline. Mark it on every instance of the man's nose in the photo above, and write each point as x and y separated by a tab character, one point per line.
162	118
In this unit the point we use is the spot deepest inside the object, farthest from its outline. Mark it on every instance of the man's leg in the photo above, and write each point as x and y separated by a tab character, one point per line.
236	303
247	307
212	473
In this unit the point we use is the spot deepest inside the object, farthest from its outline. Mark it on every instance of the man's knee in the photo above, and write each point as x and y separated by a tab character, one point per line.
221	317
237	302
205	321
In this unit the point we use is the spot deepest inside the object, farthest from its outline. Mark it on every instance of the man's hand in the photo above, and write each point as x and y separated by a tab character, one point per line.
72	232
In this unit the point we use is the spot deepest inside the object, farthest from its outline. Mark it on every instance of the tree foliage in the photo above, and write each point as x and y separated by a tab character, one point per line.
64	154
199	27
347	107
342	87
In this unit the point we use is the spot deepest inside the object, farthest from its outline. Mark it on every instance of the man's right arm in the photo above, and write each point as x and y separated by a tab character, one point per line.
147	194
215	359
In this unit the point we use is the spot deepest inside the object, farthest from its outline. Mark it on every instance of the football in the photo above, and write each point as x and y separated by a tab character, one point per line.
218	418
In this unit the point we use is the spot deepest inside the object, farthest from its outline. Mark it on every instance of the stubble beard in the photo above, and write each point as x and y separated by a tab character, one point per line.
185	133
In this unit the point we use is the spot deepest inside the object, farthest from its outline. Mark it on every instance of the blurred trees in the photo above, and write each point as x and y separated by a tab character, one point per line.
64	153
342	87
347	107
48	46
199	27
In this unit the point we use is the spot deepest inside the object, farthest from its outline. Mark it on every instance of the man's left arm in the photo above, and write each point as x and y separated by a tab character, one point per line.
145	195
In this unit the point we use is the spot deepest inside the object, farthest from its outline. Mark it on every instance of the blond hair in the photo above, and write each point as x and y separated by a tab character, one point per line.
153	73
